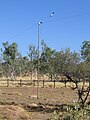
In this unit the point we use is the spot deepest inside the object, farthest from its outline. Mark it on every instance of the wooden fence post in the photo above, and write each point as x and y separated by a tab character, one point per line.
43	83
33	82
54	83
7	82
20	83
38	83
65	83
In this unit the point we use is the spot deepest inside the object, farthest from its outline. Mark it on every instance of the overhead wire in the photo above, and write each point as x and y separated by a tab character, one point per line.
25	30
68	17
51	20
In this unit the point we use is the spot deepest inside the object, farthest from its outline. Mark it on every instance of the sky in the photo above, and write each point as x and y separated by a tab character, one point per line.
68	28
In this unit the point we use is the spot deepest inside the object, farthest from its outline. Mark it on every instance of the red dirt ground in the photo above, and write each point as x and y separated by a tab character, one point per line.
24	98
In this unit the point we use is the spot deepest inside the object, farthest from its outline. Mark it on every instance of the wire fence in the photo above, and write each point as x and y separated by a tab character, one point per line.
42	83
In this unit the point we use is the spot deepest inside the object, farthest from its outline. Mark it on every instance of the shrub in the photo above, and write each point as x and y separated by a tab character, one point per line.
74	113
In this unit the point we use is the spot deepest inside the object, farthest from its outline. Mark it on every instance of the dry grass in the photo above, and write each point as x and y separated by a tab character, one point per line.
38	109
11	112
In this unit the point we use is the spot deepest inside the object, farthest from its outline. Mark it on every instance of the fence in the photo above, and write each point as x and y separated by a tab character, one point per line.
15	82
41	83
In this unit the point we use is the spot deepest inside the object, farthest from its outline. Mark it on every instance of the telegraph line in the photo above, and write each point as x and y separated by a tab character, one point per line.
48	21
68	17
25	30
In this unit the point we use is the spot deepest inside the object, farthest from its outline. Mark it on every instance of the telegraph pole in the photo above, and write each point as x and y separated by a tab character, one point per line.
38	63
38	58
38	45
39	23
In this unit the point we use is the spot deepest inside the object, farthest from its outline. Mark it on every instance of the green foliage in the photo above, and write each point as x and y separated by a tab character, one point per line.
75	113
33	57
9	52
32	52
78	113
47	59
53	62
85	50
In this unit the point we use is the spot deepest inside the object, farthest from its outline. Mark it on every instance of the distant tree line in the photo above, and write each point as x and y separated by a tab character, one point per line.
52	62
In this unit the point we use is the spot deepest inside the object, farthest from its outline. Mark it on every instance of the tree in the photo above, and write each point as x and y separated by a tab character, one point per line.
1	66
47	60
83	69
85	50
22	66
10	53
32	55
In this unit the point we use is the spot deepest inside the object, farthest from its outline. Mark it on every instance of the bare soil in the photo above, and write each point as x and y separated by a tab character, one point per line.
21	103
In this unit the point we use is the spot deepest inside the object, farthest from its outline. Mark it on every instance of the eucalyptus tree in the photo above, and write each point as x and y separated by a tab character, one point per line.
25	67
57	65
65	62
47	60
19	65
83	73
33	57
85	50
83	69
1	67
85	56
9	53
22	65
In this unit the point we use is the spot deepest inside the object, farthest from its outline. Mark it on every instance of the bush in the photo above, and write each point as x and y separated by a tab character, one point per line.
75	113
